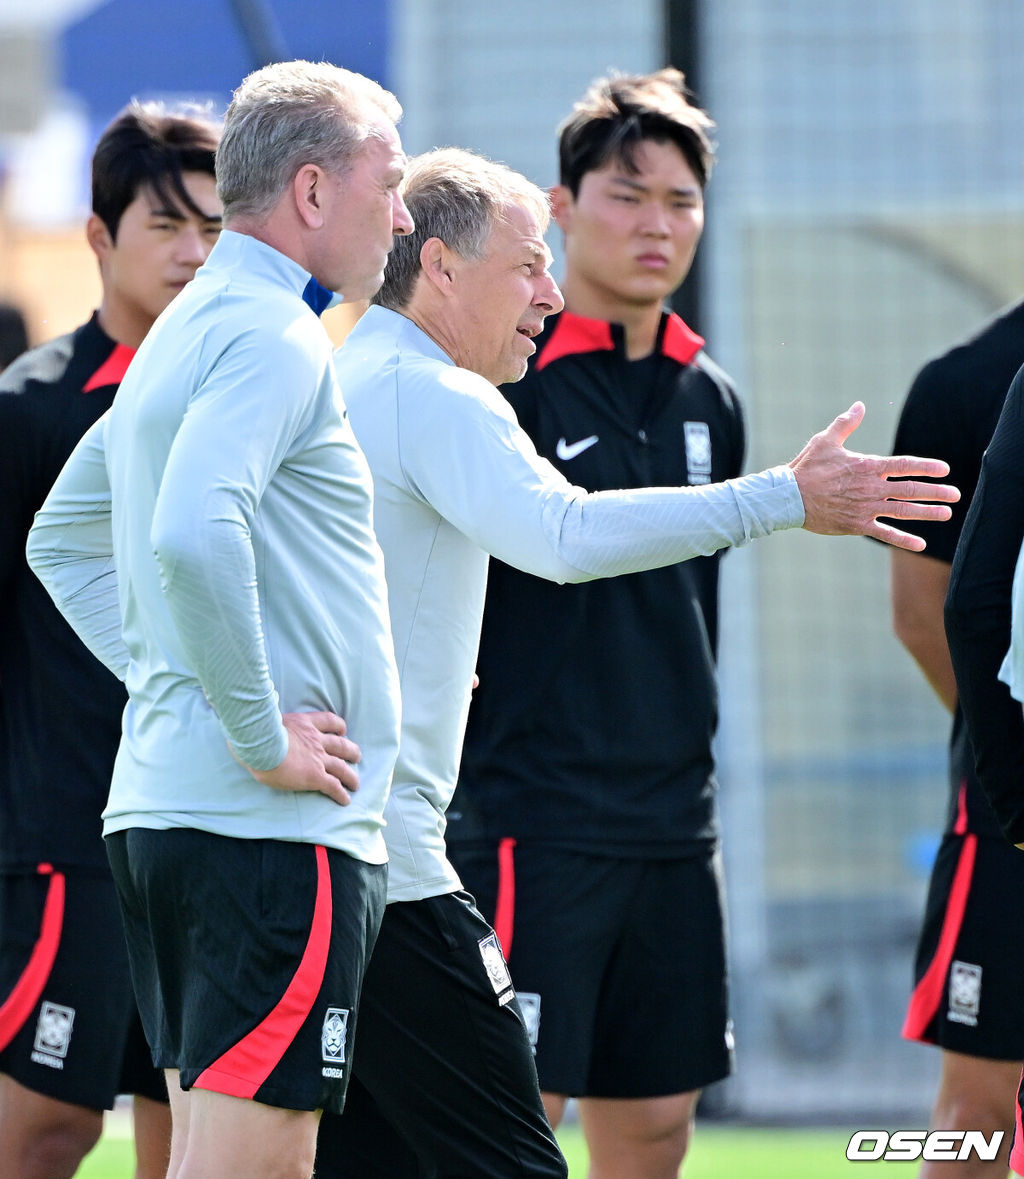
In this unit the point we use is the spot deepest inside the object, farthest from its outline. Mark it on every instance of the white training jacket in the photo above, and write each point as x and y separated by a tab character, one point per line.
456	479
225	504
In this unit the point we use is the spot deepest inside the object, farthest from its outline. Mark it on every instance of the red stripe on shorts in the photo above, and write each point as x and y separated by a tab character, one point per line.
505	904
927	996
246	1065
21	1002
1017	1152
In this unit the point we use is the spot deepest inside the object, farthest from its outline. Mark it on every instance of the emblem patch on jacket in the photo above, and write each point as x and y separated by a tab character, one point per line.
698	452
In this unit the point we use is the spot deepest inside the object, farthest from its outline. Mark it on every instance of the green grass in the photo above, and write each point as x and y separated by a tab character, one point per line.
729	1152
719	1152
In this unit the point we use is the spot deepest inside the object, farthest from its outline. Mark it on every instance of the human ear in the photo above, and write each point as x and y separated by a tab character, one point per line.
98	236
436	263
562	203
309	190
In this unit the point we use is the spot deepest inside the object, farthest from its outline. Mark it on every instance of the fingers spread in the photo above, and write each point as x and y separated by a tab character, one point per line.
944	493
907	510
844	425
893	536
901	466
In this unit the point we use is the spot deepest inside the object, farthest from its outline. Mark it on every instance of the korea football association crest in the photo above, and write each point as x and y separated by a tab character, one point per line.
698	452
964	993
53	1034
333	1036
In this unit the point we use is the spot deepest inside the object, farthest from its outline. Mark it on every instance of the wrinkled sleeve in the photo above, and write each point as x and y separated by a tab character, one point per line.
238	430
496	489
70	549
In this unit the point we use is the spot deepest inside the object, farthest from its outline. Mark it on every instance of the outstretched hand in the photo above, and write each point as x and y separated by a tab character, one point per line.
320	757
844	493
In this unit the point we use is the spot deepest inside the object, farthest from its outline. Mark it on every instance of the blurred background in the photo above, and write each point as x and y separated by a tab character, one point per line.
867	212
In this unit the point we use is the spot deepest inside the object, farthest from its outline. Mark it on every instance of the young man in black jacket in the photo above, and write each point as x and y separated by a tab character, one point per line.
587	782
968	996
70	1037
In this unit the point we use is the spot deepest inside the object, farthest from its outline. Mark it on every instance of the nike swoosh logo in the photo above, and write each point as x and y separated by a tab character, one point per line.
569	450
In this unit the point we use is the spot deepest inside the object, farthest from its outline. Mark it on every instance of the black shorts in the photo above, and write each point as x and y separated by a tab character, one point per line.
69	1026
969	972
247	957
619	965
444	1082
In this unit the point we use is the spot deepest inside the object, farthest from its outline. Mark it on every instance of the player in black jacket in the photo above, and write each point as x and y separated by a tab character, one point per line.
969	991
977	617
70	1038
587	781
585	818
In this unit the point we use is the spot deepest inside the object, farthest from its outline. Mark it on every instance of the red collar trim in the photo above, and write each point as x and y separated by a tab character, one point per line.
112	370
679	341
574	334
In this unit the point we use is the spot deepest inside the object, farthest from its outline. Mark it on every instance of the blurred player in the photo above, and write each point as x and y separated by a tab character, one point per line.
69	1032
228	488
456	479
978	628
969	992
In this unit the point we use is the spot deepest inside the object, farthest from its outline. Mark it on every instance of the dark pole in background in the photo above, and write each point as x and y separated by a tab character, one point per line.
260	31
682	50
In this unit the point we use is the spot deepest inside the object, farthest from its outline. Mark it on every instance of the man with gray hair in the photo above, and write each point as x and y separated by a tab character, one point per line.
228	488
456	480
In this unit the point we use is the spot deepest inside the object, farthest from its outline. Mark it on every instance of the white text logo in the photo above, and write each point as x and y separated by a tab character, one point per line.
569	450
866	1146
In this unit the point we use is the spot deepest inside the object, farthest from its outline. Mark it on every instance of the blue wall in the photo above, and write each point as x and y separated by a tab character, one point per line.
151	48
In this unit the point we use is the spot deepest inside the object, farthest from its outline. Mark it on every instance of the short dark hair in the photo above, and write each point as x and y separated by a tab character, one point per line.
151	145
622	110
13	334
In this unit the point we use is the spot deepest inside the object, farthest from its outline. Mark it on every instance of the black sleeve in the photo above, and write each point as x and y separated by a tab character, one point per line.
19	483
939	420
732	408
977	616
740	427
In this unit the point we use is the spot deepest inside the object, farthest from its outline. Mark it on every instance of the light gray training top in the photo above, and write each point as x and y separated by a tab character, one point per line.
250	580
455	478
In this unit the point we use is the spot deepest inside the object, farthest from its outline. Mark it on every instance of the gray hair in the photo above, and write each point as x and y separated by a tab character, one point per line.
290	114
459	197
